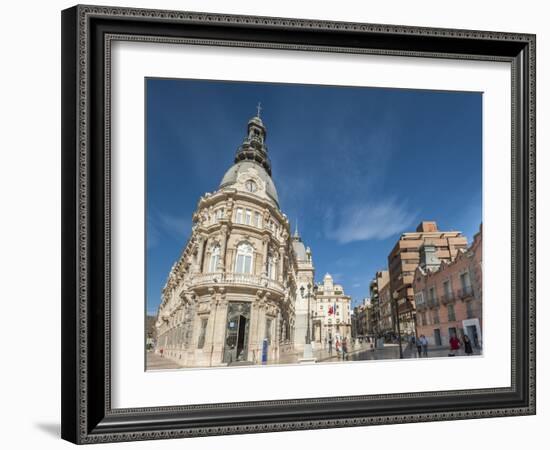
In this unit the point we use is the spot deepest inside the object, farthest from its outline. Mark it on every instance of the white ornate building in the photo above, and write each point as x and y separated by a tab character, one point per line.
236	282
331	313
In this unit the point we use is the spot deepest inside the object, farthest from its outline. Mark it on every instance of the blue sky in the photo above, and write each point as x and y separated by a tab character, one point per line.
354	166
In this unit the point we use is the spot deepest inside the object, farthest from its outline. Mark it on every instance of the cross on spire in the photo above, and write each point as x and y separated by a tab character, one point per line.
259	109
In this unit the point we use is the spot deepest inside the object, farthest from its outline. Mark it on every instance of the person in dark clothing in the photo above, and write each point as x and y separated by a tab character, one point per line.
419	347
467	345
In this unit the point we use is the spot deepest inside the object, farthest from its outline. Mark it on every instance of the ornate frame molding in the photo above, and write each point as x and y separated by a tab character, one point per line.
88	31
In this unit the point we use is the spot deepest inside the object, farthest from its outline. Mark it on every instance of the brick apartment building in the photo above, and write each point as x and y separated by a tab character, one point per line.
377	285
448	295
405	258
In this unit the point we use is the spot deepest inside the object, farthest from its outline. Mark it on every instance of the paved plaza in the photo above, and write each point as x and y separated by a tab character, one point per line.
360	352
391	351
155	362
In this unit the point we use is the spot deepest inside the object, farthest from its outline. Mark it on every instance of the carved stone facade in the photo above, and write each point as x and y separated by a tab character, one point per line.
331	313
236	282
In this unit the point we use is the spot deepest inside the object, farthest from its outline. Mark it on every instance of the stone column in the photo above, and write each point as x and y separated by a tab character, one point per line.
200	251
254	349
210	327
277	337
265	253
223	247
219	315
281	263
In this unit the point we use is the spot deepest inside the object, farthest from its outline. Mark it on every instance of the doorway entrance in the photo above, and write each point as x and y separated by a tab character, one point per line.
241	336
437	337
471	331
236	332
317	331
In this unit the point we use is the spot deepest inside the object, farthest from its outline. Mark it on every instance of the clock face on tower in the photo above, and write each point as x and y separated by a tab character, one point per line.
250	186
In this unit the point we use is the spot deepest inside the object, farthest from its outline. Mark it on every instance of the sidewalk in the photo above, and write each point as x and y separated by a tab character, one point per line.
437	352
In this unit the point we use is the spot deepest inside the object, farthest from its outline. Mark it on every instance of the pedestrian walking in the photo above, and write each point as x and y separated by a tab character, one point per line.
424	345
161	352
419	347
330	345
337	346
454	345
345	348
467	345
410	343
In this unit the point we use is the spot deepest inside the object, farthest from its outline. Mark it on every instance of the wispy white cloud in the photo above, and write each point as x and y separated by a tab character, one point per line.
469	218
337	277
176	226
153	234
346	262
364	157
162	225
368	221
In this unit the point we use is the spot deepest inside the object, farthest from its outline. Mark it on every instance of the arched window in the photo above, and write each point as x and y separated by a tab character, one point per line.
243	264
271	267
214	259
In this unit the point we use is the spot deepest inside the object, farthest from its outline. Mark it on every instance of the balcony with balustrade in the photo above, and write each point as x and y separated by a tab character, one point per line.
465	293
448	297
421	305
232	280
433	302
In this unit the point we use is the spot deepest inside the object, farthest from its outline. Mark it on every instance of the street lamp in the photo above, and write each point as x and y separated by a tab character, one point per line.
397	323
308	352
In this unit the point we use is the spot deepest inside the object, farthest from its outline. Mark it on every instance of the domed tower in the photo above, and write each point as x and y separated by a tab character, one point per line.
253	147
234	286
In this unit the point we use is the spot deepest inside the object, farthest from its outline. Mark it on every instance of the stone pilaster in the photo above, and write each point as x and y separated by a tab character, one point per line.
200	250
265	253
218	315
223	248
280	271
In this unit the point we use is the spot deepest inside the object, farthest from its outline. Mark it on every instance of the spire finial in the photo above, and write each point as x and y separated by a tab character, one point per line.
296	234
258	109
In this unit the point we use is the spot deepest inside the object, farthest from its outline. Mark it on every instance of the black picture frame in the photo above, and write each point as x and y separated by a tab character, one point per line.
87	415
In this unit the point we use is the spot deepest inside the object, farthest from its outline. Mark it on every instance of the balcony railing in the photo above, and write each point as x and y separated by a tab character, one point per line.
432	302
447	298
465	292
421	306
234	279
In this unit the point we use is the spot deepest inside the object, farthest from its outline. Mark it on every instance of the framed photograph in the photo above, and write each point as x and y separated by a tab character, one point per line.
281	224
